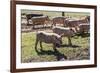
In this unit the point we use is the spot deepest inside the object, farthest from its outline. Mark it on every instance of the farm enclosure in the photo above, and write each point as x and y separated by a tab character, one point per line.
78	51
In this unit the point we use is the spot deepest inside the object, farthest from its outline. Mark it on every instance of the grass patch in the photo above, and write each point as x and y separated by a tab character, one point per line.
78	51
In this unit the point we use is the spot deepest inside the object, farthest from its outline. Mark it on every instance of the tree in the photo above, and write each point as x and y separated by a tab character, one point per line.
63	14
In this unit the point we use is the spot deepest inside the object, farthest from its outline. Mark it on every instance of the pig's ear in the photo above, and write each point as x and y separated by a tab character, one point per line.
62	34
73	29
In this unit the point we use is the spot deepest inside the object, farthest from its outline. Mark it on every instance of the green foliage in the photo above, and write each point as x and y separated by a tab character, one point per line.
52	14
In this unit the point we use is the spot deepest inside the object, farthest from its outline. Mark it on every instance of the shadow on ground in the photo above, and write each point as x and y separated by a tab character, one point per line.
83	34
59	56
65	45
